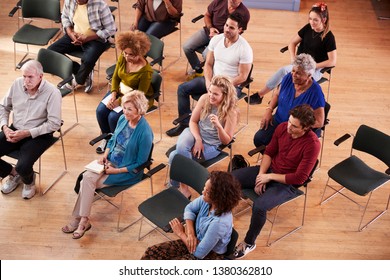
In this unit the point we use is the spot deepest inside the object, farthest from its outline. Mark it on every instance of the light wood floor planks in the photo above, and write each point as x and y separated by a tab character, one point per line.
360	93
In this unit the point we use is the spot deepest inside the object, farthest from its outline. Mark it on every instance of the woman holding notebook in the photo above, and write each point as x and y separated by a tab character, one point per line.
128	148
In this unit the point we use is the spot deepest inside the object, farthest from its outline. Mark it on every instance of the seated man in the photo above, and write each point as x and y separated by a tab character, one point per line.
87	26
297	87
36	108
214	20
287	161
229	55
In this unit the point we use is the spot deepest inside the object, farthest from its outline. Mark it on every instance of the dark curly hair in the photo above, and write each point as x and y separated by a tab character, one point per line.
225	191
305	114
136	40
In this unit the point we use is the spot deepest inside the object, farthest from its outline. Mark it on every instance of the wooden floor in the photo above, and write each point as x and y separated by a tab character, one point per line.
360	93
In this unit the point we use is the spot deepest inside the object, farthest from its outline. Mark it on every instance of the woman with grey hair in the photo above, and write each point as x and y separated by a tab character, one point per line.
296	88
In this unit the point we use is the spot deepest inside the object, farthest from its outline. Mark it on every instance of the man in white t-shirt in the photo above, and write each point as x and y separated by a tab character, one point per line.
229	55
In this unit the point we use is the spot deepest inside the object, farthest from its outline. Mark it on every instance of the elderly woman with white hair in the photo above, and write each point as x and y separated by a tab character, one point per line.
127	149
297	87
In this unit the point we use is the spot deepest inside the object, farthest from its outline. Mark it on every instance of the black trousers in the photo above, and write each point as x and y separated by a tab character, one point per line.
30	151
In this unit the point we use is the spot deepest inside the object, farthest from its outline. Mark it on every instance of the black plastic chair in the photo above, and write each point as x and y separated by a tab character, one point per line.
31	34
252	195
170	203
355	175
61	66
113	191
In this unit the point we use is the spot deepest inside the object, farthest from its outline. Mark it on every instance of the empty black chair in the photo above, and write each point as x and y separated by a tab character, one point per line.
355	175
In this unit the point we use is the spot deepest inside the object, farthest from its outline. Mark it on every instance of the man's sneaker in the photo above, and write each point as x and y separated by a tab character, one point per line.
243	249
102	147
29	190
71	85
89	82
254	99
11	184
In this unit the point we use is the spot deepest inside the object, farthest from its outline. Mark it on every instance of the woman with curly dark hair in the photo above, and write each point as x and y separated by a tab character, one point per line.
209	223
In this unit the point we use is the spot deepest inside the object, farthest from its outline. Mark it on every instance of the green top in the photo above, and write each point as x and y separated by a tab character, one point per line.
140	80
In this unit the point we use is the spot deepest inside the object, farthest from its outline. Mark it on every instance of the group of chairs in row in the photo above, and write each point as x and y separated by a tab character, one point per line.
352	174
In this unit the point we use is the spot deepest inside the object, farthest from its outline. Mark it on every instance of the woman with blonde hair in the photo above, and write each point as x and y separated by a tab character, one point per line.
132	71
127	149
213	122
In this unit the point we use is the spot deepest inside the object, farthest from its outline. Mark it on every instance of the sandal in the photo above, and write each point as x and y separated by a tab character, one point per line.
81	229
71	227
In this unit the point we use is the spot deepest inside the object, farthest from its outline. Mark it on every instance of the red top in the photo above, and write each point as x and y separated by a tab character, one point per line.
293	157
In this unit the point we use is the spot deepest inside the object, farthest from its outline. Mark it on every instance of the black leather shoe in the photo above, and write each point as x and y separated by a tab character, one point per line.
254	99
176	130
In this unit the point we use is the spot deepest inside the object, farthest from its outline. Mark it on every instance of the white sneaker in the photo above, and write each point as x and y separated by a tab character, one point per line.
29	190
11	184
102	147
243	249
89	83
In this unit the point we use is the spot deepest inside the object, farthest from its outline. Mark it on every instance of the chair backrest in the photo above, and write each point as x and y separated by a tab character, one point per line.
189	172
48	9
373	142
55	63
156	84
327	109
156	49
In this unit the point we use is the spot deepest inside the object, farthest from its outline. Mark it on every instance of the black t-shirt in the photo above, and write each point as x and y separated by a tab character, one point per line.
313	44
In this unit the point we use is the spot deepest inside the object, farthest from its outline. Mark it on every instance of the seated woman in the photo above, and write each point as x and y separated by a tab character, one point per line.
209	223
157	17
297	87
127	149
132	71
213	122
316	39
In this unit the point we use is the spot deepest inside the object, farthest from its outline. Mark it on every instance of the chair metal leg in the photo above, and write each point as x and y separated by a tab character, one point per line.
62	173
291	231
360	228
154	228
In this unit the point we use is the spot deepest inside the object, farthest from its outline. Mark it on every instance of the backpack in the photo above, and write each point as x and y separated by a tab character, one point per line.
237	162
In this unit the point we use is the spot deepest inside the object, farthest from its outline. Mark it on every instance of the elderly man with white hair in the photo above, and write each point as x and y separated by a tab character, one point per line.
36	108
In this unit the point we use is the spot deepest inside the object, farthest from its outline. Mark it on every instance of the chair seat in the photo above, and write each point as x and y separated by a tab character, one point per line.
357	176
112	191
162	203
33	35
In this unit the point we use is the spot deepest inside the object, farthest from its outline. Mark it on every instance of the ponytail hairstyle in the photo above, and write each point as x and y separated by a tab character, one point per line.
321	9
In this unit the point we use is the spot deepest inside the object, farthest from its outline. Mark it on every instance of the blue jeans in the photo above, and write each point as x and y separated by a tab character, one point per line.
264	136
184	147
158	29
198	41
274	195
194	88
92	50
277	78
107	119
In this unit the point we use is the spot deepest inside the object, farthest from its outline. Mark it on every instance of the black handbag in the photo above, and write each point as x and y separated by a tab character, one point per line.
79	178
237	162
